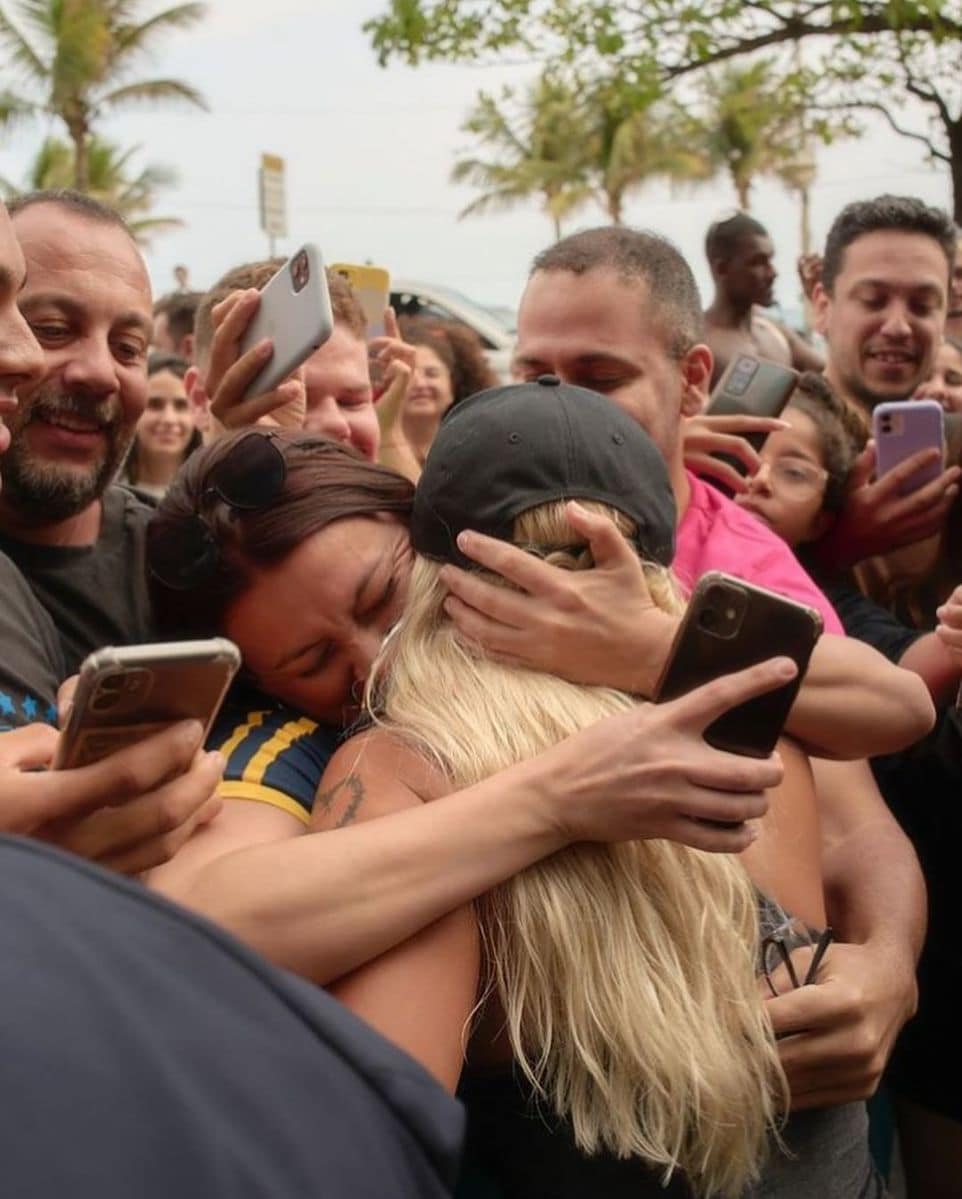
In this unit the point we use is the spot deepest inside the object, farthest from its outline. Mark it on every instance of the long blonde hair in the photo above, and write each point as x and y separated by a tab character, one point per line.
626	972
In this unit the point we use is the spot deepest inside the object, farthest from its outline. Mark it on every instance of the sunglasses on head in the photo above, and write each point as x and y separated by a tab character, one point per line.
181	554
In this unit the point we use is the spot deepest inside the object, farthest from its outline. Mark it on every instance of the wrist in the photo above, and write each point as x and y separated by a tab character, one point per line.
651	649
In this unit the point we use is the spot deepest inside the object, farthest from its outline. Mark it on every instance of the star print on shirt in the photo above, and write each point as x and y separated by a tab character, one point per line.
30	707
7	707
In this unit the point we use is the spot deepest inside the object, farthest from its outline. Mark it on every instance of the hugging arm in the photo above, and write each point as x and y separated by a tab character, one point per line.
836	1037
600	627
324	904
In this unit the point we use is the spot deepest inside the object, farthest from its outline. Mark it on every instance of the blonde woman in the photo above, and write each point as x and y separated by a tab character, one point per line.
621	981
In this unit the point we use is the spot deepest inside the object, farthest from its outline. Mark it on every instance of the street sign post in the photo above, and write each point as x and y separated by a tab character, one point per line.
273	198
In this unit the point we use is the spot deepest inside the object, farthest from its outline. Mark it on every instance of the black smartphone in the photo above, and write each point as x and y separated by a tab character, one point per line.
729	626
751	386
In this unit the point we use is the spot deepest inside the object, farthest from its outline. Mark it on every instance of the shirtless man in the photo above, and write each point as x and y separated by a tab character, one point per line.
740	254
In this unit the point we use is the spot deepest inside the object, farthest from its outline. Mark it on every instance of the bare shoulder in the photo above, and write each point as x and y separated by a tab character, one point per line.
374	774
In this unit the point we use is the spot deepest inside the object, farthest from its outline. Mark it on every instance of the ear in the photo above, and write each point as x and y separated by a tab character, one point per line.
696	368
821	304
199	400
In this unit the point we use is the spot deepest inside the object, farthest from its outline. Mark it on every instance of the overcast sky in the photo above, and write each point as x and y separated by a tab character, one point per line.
369	152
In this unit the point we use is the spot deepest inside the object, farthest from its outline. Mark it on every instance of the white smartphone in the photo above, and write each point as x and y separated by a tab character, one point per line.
295	312
126	693
902	428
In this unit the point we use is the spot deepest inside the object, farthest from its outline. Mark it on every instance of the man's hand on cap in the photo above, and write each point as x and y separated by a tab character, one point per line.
595	627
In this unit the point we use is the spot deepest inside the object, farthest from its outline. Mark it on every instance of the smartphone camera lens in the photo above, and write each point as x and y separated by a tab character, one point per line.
300	271
708	619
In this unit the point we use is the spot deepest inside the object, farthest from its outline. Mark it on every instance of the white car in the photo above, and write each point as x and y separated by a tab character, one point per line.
431	299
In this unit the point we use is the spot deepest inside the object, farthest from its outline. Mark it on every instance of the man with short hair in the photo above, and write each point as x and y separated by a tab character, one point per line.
174	324
953	323
77	538
741	256
888	280
882	298
338	400
618	311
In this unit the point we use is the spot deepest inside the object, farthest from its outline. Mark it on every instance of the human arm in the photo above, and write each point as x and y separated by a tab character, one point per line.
836	1036
324	904
706	436
601	627
128	812
395	360
420	994
937	657
877	519
804	355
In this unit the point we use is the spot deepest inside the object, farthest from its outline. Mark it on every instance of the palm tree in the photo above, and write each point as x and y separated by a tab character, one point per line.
748	124
537	151
110	180
636	137
76	58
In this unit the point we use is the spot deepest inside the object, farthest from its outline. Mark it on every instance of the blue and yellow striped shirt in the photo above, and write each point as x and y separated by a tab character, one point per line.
273	756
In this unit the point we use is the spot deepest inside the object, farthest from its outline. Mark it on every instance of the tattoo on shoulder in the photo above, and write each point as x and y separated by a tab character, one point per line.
343	800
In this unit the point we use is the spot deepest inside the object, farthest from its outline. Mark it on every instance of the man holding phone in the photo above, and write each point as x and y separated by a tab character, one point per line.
881	304
135	809
618	311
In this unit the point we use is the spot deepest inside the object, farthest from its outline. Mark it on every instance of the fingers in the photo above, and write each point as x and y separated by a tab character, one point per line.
609	548
699	708
862	469
526	572
232	318
733	785
28	747
711	839
893	480
150	826
706	466
157	850
130	772
397	378
740	424
391	328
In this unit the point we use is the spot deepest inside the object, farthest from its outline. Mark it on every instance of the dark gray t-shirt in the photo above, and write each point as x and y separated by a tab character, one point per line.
96	594
147	1053
31	657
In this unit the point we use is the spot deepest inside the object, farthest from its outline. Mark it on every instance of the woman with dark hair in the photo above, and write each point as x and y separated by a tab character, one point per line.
166	433
449	366
297	549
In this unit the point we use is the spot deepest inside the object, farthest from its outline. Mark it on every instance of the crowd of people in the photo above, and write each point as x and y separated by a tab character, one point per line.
445	904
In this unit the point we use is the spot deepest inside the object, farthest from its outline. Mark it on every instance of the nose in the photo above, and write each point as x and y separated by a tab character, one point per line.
91	366
896	324
21	359
362	651
325	418
761	481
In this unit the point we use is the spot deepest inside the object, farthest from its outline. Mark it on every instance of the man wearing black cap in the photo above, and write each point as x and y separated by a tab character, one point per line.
618	311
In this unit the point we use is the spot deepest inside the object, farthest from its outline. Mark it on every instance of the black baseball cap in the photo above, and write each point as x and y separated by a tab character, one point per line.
506	450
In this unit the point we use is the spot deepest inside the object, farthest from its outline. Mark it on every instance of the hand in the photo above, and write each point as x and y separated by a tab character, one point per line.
949	628
390	348
229	373
835	1037
131	811
809	273
595	626
876	518
706	436
649	773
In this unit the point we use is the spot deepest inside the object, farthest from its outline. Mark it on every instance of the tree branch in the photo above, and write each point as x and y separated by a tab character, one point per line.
877	106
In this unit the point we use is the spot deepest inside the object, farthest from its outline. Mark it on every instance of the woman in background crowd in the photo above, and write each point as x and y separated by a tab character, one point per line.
449	366
166	432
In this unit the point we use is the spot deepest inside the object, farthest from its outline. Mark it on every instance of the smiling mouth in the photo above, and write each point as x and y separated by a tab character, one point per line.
893	357
72	422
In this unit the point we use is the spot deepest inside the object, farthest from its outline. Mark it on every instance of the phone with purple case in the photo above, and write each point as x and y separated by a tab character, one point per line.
903	428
